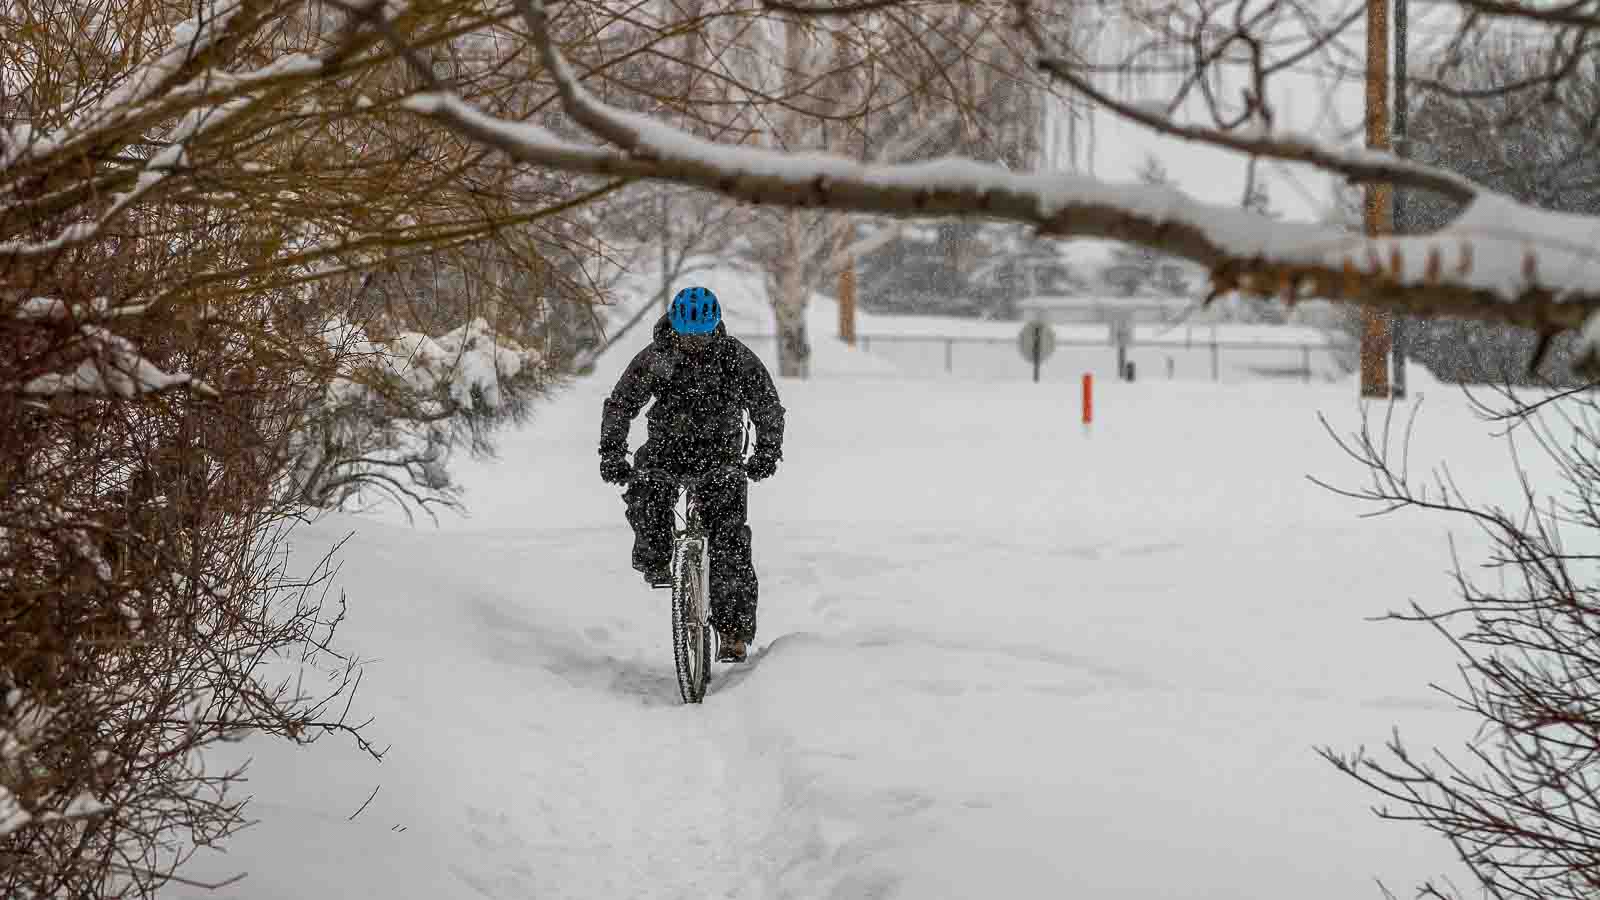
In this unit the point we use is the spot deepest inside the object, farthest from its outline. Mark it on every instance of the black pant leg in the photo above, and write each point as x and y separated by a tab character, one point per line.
650	502
734	589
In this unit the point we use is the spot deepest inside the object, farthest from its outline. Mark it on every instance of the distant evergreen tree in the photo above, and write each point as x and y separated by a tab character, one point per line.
1139	271
1542	154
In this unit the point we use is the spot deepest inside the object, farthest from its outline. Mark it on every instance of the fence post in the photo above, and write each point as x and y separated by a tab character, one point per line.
865	342
949	352
1216	365
1305	361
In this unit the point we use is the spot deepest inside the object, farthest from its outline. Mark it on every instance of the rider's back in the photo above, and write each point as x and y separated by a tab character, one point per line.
697	420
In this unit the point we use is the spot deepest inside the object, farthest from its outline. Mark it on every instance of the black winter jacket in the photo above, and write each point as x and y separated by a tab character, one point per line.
697	421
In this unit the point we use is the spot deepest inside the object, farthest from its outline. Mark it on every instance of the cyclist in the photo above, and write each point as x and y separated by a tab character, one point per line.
703	382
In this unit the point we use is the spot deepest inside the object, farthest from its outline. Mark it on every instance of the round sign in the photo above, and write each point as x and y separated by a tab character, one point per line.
1036	337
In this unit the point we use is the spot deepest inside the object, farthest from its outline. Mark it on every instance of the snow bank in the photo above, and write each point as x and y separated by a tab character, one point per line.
466	363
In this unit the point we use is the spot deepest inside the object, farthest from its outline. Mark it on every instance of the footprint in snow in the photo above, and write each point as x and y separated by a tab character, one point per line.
829	607
1150	549
905	802
942	688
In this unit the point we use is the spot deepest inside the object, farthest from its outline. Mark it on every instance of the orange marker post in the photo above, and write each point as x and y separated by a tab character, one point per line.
1088	398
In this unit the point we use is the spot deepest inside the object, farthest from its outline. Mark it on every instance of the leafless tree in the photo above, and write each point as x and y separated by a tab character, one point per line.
1521	803
891	88
906	84
683	233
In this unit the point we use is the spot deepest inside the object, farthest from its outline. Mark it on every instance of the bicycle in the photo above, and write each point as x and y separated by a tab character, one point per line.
691	587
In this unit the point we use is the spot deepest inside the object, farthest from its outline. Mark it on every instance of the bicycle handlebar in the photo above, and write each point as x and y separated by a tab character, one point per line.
690	479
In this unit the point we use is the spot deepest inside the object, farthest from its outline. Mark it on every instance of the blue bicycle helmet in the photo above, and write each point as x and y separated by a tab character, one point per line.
695	311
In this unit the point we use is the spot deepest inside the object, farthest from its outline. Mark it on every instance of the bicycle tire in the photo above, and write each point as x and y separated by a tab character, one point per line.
691	634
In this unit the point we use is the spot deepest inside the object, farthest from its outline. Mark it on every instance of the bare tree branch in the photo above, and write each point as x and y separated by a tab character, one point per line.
1576	14
1539	279
842	9
1356	165
1300	260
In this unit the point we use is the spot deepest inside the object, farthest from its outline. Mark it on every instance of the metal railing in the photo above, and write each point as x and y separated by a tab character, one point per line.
1303	353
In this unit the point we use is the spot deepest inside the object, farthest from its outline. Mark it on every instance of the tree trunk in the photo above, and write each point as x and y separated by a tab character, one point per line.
789	303
794	350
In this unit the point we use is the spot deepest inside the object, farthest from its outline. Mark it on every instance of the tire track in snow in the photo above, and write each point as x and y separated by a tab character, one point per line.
630	793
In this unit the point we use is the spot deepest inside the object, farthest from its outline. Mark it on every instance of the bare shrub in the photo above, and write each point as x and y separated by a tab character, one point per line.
1521	803
145	599
197	201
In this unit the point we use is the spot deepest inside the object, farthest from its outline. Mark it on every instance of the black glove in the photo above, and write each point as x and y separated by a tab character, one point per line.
615	469
761	465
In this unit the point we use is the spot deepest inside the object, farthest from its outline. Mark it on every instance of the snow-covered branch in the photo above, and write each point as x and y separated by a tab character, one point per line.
190	44
1499	261
52	309
400	408
1572	15
27	721
112	367
155	171
1354	163
97	361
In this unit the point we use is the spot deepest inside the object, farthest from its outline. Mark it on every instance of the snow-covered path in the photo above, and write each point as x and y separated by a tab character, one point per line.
997	655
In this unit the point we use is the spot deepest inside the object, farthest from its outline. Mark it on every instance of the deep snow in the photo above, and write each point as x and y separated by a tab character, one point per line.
998	655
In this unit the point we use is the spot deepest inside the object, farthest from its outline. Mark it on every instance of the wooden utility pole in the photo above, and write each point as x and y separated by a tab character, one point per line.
1402	148
1374	322
847	301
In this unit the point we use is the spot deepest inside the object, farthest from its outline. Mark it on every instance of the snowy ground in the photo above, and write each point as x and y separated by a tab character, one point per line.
998	656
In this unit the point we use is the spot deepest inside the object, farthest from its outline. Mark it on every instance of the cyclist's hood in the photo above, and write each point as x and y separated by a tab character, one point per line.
662	335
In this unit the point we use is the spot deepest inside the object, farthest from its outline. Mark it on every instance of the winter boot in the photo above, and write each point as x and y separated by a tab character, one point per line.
730	650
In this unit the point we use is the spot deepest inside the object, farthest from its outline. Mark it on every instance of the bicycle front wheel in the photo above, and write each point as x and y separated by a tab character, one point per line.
691	635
